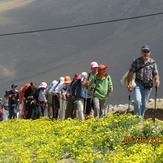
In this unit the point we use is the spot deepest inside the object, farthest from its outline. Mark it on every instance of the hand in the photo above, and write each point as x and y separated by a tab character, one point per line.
110	90
93	85
157	83
129	87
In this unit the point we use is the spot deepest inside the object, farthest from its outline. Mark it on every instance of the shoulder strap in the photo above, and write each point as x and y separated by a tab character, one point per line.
89	74
56	85
147	64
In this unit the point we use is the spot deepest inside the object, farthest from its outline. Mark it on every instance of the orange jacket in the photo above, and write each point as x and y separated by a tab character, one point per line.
21	92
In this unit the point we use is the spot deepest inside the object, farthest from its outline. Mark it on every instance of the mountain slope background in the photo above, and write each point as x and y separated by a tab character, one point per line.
45	56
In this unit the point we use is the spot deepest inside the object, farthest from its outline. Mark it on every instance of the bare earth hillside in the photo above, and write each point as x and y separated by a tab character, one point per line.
48	55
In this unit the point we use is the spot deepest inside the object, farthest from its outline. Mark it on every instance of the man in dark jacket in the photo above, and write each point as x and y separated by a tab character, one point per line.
30	98
13	101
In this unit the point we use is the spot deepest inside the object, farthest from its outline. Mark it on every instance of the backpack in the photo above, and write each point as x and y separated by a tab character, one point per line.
76	88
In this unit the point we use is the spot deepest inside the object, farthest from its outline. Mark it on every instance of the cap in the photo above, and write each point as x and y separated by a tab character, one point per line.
145	47
67	79
100	67
43	85
82	75
13	86
61	79
6	93
93	65
76	76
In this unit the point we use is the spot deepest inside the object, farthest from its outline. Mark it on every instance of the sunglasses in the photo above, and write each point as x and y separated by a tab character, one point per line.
145	51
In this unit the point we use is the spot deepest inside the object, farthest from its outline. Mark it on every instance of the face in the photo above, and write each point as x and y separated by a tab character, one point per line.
94	70
145	54
102	71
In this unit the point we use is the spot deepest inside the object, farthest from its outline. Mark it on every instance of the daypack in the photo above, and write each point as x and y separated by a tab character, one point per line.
76	88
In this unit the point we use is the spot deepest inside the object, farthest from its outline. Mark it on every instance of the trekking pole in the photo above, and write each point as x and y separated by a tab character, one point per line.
129	102
155	104
85	102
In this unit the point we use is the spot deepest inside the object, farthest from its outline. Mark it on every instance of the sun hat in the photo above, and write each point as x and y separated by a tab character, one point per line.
67	79
76	76
145	47
61	79
43	85
93	65
100	67
82	75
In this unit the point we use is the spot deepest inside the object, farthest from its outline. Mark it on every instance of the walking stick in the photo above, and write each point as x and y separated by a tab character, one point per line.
155	104
129	102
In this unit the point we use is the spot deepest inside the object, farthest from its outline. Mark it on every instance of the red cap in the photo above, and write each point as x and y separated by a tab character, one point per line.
100	67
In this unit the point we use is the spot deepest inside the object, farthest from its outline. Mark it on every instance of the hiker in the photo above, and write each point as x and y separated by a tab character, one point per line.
146	70
13	101
5	102
63	97
102	86
70	107
30	99
22	103
78	92
88	105
49	97
41	99
1	110
56	97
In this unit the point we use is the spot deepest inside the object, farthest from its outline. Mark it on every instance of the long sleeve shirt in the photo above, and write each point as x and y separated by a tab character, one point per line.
101	90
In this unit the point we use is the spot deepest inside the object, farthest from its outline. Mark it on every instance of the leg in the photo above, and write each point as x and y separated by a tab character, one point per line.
145	99
96	103
138	99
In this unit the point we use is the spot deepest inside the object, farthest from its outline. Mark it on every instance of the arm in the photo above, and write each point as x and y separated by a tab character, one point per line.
157	80
85	82
130	76
110	88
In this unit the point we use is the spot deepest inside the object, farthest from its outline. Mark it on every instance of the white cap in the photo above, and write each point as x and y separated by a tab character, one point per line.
43	85
82	75
61	79
54	82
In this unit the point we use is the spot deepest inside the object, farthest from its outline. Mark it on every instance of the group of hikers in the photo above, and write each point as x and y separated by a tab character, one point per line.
65	98
84	94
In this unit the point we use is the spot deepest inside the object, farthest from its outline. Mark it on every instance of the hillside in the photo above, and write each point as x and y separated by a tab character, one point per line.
46	56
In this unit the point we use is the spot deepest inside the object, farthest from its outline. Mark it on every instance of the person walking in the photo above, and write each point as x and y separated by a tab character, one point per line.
70	108
5	101
146	71
78	93
41	98
49	97
13	101
102	86
30	99
88	104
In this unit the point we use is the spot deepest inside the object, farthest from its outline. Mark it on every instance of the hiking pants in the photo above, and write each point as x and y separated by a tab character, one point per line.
141	99
50	110
89	106
29	108
41	108
98	107
12	111
80	108
70	109
56	106
5	113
